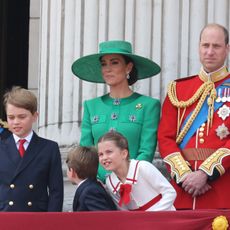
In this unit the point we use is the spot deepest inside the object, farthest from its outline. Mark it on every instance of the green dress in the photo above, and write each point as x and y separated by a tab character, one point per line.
136	117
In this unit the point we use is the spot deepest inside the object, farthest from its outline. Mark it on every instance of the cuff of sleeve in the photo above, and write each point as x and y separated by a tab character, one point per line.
212	166
179	167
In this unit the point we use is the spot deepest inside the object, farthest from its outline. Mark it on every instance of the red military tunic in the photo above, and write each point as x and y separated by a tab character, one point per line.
208	152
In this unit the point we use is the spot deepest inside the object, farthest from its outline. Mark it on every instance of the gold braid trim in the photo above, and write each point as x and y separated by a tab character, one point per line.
215	161
183	104
3	124
200	94
179	167
211	101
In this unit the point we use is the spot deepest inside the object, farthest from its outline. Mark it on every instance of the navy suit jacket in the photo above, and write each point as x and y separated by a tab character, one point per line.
91	196
33	183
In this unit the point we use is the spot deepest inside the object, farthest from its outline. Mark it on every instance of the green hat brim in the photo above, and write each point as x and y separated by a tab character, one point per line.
88	68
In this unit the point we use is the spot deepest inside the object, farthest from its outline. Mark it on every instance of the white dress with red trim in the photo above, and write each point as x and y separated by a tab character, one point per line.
150	190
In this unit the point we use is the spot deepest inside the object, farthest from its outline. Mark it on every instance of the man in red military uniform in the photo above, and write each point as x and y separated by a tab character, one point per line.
194	131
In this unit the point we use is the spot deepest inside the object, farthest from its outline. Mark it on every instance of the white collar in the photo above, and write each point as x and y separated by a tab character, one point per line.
131	178
27	138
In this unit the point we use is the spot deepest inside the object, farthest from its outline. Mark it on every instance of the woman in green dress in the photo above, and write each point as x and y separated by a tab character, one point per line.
134	115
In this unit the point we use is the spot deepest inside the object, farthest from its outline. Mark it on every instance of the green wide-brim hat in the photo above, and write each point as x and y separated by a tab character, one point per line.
88	68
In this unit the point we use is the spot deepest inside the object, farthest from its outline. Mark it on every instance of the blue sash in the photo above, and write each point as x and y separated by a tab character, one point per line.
201	117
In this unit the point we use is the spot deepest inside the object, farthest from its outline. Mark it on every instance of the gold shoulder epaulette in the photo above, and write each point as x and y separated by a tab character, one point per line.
179	167
215	161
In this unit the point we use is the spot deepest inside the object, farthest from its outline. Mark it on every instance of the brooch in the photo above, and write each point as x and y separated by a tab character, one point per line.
132	118
224	112
95	119
117	101
114	116
222	131
138	106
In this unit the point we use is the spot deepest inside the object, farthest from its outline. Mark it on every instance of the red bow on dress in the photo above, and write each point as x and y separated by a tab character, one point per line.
125	190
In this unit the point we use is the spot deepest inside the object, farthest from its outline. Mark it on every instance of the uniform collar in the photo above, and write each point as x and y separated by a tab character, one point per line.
214	76
130	179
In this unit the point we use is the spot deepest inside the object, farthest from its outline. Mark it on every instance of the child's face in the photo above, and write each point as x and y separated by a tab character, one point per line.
20	121
111	157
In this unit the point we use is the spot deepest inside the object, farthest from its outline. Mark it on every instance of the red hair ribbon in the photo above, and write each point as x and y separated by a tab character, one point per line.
125	190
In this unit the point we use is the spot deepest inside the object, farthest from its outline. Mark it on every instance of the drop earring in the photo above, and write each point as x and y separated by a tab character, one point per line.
128	76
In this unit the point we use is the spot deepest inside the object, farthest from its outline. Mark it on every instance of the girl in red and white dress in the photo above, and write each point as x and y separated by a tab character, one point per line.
134	185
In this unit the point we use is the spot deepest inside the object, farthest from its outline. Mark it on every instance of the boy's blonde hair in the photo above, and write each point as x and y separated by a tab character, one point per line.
84	161
21	98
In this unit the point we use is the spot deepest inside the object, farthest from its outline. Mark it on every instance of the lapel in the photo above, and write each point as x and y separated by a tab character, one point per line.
114	182
11	151
35	145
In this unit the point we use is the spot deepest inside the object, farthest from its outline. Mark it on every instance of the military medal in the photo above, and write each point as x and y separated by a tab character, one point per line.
223	112
218	99
224	98
228	97
222	131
